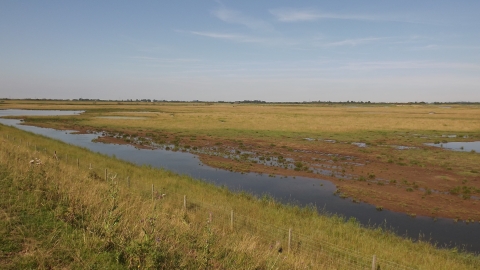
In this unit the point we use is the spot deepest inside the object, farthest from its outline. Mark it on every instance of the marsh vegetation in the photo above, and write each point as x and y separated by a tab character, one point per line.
63	212
375	154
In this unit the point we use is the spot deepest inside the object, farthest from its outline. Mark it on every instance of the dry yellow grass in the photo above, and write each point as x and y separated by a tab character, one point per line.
284	127
117	218
300	118
316	119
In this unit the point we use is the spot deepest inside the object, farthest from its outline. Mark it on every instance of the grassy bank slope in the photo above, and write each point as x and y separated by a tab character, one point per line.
61	213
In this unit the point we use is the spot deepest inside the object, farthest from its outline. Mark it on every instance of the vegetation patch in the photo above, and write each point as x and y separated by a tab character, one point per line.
57	213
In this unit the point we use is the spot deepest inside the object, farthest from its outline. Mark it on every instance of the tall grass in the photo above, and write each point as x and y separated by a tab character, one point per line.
114	222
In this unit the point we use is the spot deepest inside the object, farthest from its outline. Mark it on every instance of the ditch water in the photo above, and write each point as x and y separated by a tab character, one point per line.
300	190
459	146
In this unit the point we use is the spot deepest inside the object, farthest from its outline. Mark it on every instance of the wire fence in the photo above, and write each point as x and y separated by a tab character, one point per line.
277	238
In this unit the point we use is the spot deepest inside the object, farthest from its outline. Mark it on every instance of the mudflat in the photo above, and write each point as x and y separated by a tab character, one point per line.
375	153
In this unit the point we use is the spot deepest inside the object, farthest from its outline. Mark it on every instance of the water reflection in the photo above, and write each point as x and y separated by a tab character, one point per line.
301	190
459	146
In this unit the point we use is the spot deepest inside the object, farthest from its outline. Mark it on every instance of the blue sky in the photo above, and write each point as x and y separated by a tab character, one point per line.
234	50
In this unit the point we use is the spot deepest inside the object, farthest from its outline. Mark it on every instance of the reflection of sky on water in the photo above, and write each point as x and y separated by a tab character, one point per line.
301	190
459	146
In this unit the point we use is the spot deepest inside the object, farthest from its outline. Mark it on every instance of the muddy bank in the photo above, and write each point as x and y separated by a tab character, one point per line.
360	172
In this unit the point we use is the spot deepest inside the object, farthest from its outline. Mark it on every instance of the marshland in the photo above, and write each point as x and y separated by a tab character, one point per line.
239	135
374	155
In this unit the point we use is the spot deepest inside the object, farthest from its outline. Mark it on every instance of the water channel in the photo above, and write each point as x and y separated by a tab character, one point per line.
459	146
300	190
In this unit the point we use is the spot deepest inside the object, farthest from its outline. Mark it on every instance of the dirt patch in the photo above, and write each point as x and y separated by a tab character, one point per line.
413	197
371	174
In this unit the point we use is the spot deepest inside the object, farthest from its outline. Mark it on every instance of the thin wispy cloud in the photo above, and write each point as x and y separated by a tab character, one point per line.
383	65
310	15
236	17
231	37
389	40
270	41
354	42
444	47
164	60
299	15
425	47
304	42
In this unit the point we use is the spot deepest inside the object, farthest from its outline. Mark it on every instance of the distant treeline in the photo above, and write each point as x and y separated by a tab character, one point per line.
245	101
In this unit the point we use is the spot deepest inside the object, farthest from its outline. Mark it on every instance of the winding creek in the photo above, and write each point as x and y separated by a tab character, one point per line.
301	190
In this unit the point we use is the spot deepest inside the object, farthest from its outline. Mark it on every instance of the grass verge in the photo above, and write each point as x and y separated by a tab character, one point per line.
63	214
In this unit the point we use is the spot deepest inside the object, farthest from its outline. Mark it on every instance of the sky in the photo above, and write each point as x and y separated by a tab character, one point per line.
369	50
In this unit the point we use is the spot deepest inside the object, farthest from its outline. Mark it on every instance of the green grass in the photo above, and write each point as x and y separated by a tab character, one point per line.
33	237
289	124
61	216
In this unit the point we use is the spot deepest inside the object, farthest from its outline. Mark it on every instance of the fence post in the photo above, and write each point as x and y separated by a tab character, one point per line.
185	202
105	172
78	163
289	239
374	262
231	220
153	198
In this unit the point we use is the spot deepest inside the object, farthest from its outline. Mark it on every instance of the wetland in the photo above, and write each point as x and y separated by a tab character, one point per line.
294	170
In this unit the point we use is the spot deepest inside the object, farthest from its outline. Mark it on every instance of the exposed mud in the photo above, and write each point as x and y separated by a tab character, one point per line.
356	169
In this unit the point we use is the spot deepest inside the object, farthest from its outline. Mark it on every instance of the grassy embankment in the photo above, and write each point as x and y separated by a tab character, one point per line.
58	215
424	180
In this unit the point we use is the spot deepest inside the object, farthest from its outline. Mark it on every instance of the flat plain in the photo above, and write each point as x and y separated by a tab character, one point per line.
66	207
373	153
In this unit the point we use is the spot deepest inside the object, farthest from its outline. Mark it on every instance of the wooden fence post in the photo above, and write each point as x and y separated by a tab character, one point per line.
185	202
231	220
153	196
289	239
105	173
78	163
374	262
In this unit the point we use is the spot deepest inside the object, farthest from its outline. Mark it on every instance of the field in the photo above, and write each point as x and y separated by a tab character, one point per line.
63	212
395	170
